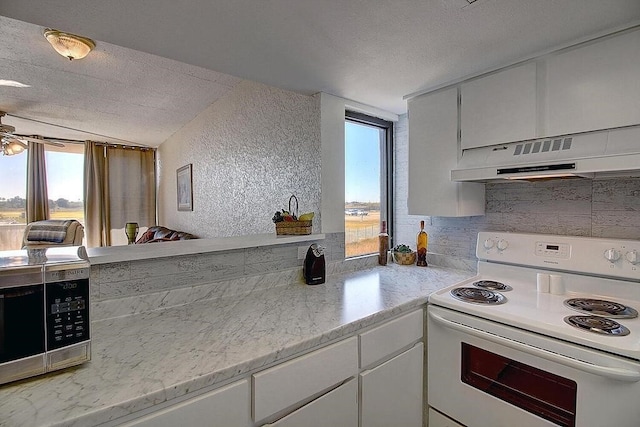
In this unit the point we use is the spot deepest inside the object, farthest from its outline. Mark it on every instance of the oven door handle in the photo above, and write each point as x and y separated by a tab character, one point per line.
603	371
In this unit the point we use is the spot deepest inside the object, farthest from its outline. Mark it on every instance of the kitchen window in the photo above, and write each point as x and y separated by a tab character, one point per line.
368	181
65	169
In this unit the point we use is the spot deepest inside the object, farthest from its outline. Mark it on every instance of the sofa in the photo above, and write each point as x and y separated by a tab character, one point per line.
158	233
52	233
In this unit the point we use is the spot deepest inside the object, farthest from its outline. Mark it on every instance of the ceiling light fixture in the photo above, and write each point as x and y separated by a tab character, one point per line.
12	146
69	45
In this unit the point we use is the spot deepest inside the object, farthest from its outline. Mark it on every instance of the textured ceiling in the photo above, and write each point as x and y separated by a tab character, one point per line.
115	95
371	51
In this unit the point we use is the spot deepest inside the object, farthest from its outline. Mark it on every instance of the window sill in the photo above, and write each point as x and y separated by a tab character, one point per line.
106	255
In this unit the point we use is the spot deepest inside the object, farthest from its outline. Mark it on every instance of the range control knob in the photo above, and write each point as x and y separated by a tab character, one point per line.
488	244
502	244
612	255
632	257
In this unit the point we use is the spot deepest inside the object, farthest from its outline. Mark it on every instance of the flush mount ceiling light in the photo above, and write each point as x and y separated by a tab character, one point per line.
69	45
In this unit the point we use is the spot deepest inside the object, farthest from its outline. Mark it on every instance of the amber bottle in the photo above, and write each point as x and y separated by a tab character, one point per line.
421	244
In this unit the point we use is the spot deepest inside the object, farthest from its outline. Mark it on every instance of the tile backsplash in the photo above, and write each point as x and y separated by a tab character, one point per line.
235	271
579	207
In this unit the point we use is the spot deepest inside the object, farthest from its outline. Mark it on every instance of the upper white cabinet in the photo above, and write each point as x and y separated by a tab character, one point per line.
595	86
499	108
433	153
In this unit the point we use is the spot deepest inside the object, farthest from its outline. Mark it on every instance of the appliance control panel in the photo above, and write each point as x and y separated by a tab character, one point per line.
67	313
590	255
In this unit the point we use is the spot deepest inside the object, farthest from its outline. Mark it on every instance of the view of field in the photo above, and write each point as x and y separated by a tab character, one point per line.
361	233
13	218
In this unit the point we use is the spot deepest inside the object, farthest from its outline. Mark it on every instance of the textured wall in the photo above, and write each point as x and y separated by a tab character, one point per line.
250	151
598	208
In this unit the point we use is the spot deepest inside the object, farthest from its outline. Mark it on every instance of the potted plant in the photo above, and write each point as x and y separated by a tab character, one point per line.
404	255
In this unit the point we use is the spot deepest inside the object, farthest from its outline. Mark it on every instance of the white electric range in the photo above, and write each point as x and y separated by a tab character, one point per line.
546	334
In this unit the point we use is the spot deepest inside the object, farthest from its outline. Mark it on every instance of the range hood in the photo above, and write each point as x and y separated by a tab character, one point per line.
614	152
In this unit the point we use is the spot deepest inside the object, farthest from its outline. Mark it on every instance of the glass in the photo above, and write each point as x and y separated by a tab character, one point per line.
65	178
362	188
13	201
544	394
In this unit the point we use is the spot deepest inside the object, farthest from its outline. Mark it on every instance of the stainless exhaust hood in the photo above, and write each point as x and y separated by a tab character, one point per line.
613	152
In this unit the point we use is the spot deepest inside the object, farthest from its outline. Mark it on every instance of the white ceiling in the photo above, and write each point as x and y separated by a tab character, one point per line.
370	51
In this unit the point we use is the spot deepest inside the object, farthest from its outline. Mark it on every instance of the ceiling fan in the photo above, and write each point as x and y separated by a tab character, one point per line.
12	143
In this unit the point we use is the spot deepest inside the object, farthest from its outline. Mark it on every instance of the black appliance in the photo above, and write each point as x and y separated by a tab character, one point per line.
314	269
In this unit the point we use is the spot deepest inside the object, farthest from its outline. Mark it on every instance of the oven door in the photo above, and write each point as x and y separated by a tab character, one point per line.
482	373
22	323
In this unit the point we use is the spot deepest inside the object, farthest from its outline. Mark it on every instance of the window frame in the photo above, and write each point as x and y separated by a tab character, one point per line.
387	162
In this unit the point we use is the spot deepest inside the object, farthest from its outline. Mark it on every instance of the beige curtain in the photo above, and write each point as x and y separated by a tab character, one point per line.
131	186
96	195
119	188
37	196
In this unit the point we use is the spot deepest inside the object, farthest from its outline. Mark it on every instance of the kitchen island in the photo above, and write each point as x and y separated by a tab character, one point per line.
143	360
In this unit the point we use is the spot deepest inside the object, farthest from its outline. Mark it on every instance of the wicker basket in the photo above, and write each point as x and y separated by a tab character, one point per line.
404	258
297	228
293	228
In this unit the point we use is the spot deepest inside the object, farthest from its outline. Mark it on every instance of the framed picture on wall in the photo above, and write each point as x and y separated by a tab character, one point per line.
185	189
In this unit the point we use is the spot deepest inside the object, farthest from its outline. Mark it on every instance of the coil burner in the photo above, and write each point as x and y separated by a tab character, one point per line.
599	325
478	296
492	285
598	307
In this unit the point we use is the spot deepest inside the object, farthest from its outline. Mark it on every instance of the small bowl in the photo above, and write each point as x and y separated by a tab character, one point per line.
404	258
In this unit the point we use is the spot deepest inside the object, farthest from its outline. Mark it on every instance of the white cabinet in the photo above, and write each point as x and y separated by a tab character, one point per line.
276	390
595	86
436	419
433	153
392	392
225	407
499	108
390	337
339	407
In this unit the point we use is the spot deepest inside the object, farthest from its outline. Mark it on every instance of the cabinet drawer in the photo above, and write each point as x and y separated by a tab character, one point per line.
390	337
339	407
436	419
285	385
225	407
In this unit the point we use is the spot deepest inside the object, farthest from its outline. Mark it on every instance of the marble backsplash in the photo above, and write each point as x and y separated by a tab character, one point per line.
130	287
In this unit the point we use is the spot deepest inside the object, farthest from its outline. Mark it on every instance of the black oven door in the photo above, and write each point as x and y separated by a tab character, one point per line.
22	324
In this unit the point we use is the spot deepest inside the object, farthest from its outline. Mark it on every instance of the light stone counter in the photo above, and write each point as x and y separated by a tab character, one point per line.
146	359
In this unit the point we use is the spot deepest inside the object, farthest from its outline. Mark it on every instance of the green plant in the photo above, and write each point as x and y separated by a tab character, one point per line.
403	249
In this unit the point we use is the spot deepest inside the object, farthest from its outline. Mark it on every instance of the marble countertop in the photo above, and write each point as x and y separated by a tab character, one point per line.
110	254
145	359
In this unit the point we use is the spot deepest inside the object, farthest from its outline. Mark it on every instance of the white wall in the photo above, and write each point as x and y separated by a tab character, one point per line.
250	151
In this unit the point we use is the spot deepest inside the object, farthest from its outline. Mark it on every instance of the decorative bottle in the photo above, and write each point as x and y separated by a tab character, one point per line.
422	241
383	244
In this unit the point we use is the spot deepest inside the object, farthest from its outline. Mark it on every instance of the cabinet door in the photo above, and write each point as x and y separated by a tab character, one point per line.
392	392
336	408
433	153
225	407
499	108
596	86
436	419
